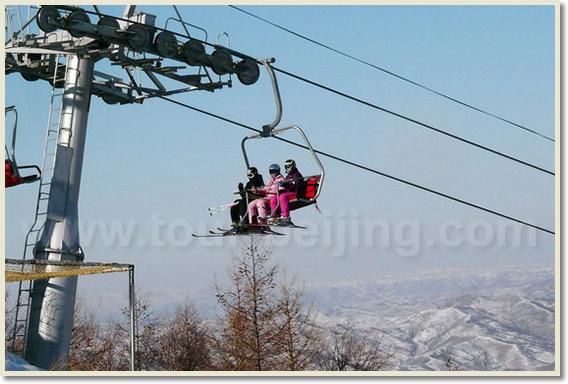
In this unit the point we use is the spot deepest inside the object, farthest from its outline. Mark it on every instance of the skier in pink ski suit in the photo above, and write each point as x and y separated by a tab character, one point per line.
258	207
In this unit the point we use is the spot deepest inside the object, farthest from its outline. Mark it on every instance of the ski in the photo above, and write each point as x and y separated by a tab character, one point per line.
211	235
255	230
286	225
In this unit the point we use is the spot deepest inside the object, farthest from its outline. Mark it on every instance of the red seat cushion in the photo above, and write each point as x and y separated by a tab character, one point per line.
11	178
312	187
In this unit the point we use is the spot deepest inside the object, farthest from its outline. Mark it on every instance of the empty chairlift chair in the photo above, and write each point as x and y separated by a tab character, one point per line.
12	170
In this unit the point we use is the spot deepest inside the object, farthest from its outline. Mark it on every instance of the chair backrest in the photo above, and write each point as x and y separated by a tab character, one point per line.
308	196
312	186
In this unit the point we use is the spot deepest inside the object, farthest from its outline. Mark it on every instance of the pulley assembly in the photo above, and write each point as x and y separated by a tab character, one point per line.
142	38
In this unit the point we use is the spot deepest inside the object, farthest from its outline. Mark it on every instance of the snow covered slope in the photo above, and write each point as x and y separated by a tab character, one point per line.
498	320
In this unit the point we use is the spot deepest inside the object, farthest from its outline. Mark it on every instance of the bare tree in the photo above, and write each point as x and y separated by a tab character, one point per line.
184	343
148	326
249	334
449	362
345	350
94	347
10	325
264	325
300	339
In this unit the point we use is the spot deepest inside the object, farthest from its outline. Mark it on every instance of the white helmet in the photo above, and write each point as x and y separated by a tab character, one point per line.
289	165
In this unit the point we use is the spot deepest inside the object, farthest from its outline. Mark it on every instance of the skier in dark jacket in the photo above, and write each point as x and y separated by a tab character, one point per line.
293	185
239	210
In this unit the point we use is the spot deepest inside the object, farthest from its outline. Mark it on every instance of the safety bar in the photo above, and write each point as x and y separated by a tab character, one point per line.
30	178
278	131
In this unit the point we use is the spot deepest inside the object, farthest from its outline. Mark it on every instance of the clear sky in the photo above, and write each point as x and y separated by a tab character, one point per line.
152	170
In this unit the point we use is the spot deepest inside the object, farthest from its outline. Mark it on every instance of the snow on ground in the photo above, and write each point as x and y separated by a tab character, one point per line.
16	363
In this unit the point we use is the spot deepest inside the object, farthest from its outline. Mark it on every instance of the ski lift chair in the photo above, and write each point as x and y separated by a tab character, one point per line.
11	167
313	184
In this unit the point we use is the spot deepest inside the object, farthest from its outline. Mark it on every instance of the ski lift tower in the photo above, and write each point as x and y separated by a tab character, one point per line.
64	52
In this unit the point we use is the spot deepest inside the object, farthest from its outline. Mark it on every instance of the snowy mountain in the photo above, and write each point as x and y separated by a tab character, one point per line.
496	320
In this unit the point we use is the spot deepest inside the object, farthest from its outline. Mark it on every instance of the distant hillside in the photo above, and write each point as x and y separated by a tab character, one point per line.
498	320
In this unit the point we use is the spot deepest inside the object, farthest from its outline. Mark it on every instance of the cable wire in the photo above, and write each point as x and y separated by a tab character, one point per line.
311	82
391	73
238	54
360	166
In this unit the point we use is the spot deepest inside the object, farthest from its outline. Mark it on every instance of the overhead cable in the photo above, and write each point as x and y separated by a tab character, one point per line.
440	131
392	73
363	167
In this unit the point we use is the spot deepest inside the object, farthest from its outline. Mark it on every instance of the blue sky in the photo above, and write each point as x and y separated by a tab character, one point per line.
161	163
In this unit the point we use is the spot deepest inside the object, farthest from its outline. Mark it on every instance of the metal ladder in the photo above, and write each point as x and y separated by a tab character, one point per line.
11	28
48	164
15	28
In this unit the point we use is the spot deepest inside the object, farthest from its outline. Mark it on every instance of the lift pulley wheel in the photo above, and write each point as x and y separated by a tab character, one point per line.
138	38
193	52
166	44
47	18
110	99
247	71
222	62
29	76
77	16
110	22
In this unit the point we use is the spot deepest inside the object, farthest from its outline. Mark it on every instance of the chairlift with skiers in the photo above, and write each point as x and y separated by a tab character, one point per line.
299	192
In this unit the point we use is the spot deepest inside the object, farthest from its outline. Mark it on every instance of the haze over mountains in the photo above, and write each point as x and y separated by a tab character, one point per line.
497	320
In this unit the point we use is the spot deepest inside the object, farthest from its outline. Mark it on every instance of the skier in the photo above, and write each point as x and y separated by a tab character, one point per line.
259	206
292	186
239	210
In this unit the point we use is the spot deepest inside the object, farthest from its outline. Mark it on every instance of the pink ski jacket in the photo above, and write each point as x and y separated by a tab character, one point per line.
271	188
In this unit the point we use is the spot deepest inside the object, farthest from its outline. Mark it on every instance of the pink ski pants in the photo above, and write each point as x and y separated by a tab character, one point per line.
284	203
257	207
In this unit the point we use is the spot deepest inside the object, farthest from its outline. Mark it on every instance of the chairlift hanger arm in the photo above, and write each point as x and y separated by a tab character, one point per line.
14	131
267	129
270	130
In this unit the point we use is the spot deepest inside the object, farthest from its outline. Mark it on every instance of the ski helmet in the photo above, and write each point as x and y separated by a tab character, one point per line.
289	165
274	168
252	172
